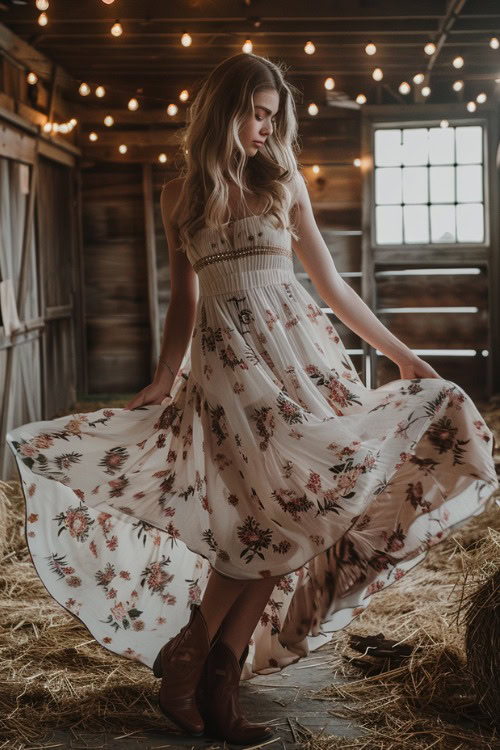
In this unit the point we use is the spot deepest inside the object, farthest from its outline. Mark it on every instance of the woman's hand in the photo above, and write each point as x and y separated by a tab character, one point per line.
154	393
416	368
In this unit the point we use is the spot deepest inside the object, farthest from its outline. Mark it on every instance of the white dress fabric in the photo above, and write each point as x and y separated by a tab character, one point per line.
271	459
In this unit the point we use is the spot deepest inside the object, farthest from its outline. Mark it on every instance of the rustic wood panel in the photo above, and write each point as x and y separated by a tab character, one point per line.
450	290
118	333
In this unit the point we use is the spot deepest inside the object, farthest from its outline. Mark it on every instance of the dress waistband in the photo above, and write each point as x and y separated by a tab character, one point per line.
211	284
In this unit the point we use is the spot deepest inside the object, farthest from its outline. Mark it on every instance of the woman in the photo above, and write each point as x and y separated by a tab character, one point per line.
284	491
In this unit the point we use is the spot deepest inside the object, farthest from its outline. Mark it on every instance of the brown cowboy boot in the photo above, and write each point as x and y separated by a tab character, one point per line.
180	664
218	699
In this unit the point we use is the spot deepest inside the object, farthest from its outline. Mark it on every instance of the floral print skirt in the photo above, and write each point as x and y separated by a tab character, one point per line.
270	458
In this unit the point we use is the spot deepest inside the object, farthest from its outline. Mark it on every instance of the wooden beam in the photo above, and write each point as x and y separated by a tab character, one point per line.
150	236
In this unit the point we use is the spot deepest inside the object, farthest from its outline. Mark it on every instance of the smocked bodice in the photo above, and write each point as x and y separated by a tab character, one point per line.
253	252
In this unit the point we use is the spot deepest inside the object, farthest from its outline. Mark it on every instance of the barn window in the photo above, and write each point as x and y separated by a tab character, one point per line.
429	185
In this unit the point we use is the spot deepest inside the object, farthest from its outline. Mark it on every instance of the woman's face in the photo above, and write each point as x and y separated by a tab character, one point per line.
259	126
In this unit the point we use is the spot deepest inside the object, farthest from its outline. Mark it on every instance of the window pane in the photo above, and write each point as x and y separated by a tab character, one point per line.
441	145
469	144
416	223
389	222
442	181
415	146
443	224
387	148
388	185
470	222
470	184
415	185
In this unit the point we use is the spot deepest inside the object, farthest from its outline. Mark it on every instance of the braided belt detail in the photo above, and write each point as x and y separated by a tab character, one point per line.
241	252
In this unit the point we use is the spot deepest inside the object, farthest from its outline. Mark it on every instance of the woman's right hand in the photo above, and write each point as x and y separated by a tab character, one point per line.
154	393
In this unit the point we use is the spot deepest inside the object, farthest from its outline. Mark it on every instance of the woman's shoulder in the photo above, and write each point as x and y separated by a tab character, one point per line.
170	195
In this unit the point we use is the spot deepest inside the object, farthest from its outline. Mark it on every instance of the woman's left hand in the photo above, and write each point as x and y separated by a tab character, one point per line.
416	368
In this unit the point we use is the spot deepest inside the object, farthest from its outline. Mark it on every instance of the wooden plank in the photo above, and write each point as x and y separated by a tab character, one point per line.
152	280
16	144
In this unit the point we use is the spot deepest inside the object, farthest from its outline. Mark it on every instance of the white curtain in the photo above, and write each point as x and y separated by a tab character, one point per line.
24	398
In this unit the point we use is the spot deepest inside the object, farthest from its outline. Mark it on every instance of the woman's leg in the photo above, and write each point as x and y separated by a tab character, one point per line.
219	596
244	615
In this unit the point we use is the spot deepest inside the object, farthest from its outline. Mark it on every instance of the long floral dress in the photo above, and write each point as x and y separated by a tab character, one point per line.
271	459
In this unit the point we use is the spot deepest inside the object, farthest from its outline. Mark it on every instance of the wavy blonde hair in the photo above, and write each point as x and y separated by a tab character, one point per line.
213	154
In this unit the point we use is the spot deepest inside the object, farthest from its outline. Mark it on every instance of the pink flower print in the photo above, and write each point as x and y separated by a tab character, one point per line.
314	483
161	620
314	312
347	480
295	434
118	612
111	594
172	530
33	517
332	333
194	594
26	449
374	587
76	522
68	570
138	625
74	581
73	427
43	441
238	388
318	540
112	543
80	494
125	575
169	512
108	413
398	574
31	489
107	639
93	548
103	521
455	399
31	533
271	319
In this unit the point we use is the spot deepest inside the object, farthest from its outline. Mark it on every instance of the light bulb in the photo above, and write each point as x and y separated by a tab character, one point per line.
100	91
186	40
122	149
458	85
430	48
361	99
162	158
377	74
357	162
313	109
117	29
247	46
329	84
370	48
418	78
64	127
481	98
43	19
133	104
309	48
404	88
172	109
315	168
42	4
73	121
458	62
108	2
93	136
426	90
494	43
47	127
444	124
108	121
32	78
84	89
184	95
471	106
55	127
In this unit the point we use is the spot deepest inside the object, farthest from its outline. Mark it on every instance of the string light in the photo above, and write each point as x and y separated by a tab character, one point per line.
444	124
370	48
133	104
404	88
43	19
100	91
313	109
458	62
47	127
42	4
309	48
494	43
108	2
481	98
357	162
471	106
430	48
84	89
162	158
315	169
73	122
247	46
377	74
64	128
184	95
122	149
418	78
117	29
361	99
329	84
172	109
186	40
108	121
55	127
458	85
32	78
426	91
93	136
